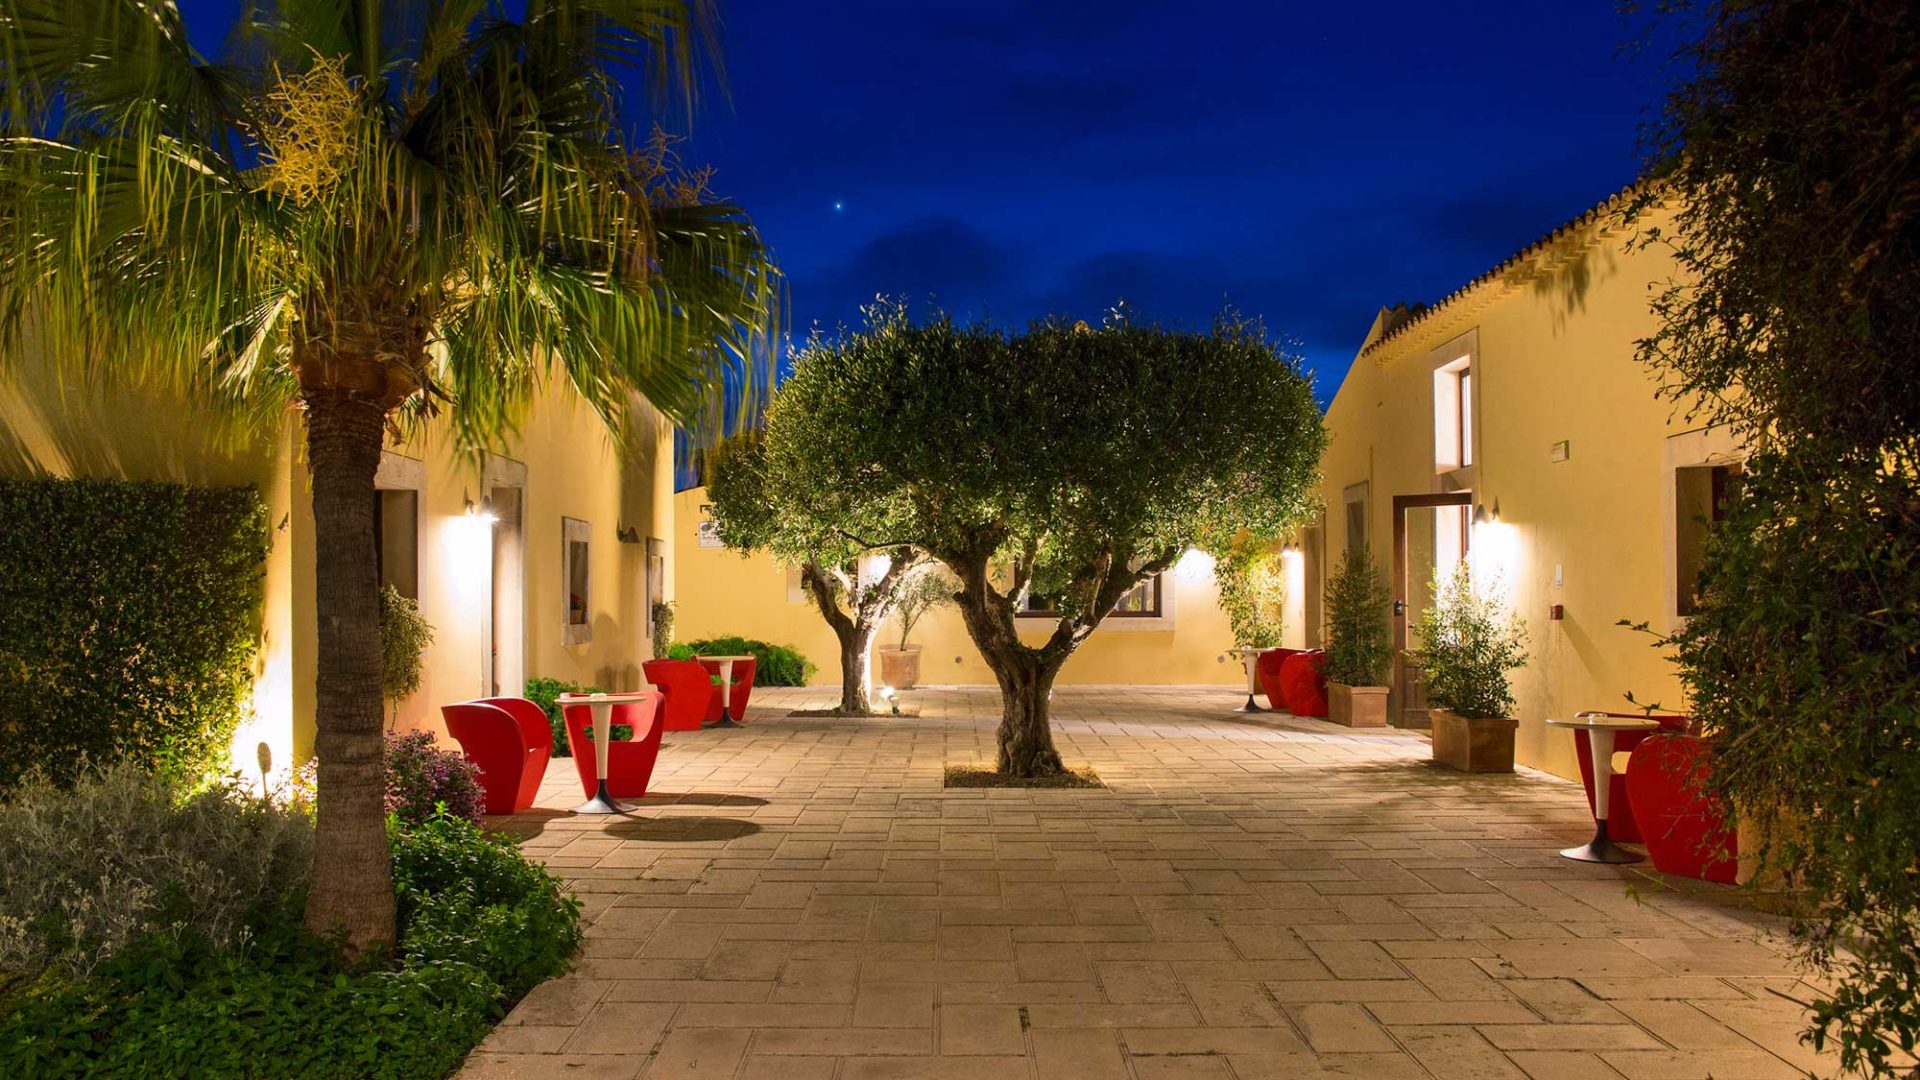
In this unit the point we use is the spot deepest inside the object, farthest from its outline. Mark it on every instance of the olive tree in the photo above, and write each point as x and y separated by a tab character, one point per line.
1068	461
781	511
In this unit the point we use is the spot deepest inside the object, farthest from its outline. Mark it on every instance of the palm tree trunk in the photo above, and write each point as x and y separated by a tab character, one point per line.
352	890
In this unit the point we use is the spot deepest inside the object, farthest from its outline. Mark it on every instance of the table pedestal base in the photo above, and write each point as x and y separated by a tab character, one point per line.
726	719
601	803
1251	705
1601	849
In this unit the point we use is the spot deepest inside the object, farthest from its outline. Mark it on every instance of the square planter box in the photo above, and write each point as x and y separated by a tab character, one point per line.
1357	706
1473	745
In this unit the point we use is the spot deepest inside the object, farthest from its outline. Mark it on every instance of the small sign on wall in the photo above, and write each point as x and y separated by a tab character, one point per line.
708	534
1560	451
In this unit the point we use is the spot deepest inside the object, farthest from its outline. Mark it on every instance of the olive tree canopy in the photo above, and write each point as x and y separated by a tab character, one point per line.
1067	461
760	504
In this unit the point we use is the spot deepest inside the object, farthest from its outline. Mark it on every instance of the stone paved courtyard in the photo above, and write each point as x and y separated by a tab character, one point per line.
1253	897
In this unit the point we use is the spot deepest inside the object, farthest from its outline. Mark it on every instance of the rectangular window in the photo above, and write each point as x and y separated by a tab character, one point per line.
1140	602
1453	416
576	538
1701	494
1355	498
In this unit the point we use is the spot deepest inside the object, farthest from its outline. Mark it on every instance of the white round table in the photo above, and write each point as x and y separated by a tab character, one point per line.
726	688
602	706
1600	729
1250	659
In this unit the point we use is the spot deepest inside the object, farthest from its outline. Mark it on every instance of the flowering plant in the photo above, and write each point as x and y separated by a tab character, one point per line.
421	776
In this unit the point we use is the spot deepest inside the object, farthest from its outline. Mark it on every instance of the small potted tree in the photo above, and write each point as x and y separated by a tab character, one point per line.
900	666
1359	647
1469	644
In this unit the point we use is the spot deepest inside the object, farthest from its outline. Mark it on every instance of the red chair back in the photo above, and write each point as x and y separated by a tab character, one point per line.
510	741
1303	685
629	761
1621	823
742	688
1684	831
689	691
1267	668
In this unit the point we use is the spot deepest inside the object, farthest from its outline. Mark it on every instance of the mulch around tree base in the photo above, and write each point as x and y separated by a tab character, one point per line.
975	776
877	714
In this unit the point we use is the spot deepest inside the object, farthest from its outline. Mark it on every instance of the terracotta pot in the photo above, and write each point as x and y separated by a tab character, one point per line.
900	668
1357	706
1472	745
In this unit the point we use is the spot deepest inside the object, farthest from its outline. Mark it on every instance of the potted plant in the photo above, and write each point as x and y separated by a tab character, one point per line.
1359	645
900	666
404	636
1469	644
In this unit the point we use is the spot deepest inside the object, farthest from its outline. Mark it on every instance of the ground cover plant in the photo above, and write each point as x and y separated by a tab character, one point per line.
759	506
1068	463
378	212
147	932
1790	162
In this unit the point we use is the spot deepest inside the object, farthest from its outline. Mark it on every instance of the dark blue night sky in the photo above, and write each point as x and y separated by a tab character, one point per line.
1305	162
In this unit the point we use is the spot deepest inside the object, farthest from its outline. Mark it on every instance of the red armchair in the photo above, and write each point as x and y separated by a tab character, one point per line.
629	761
1621	825
1267	668
689	691
1303	684
510	740
1684	832
742	688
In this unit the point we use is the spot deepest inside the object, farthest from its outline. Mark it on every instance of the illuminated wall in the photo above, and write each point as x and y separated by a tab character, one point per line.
720	592
571	468
1568	440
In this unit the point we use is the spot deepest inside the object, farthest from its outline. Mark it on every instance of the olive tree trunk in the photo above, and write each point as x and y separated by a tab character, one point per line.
856	668
352	890
1025	674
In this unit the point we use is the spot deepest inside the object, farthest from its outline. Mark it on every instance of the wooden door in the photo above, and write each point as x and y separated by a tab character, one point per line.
1419	543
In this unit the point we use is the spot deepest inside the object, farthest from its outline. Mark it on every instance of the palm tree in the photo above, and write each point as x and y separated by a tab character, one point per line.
378	211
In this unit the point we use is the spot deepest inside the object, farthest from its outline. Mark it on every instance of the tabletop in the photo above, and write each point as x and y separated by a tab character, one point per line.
1590	720
605	699
722	659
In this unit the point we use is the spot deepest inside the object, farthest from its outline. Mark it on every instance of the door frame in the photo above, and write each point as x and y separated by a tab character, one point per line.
1401	504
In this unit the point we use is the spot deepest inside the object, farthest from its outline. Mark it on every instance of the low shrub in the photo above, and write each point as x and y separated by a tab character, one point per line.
468	896
544	692
478	924
121	857
774	665
132	617
421	776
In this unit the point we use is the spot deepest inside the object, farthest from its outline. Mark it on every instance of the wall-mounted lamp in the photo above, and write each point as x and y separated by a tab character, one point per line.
1484	516
482	510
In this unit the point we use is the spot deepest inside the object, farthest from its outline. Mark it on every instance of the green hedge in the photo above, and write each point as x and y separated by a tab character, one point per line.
774	665
129	616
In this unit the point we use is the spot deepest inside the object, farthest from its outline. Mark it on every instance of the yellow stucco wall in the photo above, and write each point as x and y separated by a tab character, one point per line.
721	592
1553	360
573	468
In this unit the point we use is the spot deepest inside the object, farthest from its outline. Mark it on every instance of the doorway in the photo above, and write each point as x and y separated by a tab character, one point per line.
506	627
1431	534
